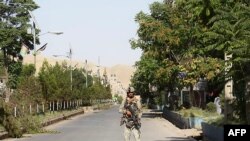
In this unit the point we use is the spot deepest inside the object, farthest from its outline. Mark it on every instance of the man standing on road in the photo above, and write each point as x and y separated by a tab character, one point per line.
131	110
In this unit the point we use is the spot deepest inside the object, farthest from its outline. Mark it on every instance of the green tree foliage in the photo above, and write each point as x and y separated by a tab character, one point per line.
14	71
2	70
56	84
171	36
14	23
145	75
55	81
79	83
52	84
230	34
190	37
28	91
98	91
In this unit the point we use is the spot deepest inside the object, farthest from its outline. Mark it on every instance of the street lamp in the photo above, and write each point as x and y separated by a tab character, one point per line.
70	57
50	32
34	23
37	35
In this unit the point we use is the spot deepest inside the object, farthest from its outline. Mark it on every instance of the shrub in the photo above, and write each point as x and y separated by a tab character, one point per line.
211	107
217	121
31	124
192	112
13	126
16	126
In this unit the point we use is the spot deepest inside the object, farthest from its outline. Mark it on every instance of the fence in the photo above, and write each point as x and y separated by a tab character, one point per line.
57	105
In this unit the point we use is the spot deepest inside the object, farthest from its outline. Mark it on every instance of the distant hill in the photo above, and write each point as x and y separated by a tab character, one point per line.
121	72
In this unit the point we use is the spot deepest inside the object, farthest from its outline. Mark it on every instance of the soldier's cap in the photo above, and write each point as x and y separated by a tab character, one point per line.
130	90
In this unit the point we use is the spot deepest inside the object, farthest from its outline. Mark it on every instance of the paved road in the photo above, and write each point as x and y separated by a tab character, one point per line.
104	126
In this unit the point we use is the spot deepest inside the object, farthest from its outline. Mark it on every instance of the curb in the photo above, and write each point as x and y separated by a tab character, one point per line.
192	139
64	117
4	134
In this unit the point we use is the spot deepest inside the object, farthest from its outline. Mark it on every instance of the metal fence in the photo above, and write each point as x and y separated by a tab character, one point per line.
57	105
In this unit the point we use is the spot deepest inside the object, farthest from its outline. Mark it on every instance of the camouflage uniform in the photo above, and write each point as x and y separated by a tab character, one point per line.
132	129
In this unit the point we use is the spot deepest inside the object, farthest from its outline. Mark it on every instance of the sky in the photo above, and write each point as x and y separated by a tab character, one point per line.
92	28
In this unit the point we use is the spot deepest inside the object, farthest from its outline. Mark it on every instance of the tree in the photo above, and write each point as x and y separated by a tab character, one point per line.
28	91
98	91
55	82
229	34
14	22
145	75
171	36
190	37
159	38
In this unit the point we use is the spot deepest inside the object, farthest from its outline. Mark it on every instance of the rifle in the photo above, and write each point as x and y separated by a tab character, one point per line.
123	119
134	116
131	106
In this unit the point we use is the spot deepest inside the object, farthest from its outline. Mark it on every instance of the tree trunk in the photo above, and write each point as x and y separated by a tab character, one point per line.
248	101
7	90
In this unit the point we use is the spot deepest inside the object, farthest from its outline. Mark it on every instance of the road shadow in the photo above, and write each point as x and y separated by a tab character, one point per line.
175	139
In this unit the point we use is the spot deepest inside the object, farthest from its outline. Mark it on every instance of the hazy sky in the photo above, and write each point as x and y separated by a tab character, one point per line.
92	28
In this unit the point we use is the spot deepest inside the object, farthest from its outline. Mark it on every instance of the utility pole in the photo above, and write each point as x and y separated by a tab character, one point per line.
98	68
34	26
70	65
70	57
